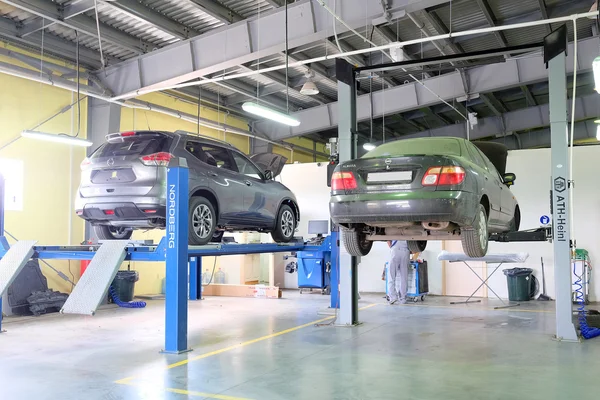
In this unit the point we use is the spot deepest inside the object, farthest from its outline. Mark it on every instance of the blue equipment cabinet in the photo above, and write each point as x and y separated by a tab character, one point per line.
314	269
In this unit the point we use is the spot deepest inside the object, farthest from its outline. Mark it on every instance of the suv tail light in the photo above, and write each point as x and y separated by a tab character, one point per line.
449	175
86	161
159	159
343	181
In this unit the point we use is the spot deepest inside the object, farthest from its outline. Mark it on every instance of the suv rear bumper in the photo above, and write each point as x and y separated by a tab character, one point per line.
130	213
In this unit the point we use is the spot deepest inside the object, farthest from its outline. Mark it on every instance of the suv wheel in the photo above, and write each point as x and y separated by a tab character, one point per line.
475	239
285	226
107	232
202	221
356	243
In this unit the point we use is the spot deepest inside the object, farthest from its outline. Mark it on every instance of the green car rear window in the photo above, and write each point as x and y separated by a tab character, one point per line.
422	146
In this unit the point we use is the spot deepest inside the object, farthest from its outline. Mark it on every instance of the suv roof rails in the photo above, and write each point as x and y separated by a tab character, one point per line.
208	138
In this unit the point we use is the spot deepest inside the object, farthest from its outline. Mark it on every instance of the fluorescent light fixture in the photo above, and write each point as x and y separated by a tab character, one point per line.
369	146
596	69
597	121
57	138
598	132
268	113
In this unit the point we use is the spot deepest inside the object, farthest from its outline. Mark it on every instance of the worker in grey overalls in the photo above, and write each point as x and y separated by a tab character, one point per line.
398	271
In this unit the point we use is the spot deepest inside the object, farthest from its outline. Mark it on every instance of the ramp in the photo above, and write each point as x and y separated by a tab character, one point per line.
93	285
13	262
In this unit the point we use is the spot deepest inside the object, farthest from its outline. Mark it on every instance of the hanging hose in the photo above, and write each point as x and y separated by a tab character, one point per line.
123	304
587	332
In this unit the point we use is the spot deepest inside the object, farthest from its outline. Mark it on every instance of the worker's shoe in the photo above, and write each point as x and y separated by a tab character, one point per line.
403	301
392	302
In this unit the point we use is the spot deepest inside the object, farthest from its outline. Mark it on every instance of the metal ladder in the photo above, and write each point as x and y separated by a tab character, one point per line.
93	285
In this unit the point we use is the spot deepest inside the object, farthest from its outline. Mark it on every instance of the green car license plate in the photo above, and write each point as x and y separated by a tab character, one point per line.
392	176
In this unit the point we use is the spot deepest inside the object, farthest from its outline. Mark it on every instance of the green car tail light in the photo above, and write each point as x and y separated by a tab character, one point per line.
343	181
448	175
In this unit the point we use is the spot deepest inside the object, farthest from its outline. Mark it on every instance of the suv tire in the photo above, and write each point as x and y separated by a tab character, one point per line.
475	239
202	221
285	225
106	232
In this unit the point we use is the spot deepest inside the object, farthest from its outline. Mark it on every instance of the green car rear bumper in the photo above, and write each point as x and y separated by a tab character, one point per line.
452	206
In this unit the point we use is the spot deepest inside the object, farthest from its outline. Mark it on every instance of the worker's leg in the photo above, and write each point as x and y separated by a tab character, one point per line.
392	293
402	275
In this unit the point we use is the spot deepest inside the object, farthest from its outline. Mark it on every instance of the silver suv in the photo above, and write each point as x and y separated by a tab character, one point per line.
123	187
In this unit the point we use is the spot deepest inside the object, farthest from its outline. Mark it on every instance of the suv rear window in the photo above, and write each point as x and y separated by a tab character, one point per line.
139	144
421	146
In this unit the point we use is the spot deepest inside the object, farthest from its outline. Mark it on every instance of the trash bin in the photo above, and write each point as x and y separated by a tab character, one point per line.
519	282
124	284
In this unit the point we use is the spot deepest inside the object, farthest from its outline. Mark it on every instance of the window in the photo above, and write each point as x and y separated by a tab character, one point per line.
245	167
476	156
195	149
219	157
12	170
139	144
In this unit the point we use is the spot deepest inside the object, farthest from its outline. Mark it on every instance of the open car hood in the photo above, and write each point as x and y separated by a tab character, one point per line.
496	152
269	161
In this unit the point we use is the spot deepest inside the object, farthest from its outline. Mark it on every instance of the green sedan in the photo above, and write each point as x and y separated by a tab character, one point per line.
425	189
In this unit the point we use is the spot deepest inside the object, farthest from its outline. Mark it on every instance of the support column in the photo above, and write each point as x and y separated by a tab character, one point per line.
555	46
103	118
348	265
176	296
195	278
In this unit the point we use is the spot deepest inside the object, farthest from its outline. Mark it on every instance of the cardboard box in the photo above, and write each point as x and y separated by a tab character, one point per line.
257	291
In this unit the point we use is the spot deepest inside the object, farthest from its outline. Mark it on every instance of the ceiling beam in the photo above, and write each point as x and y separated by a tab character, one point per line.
544	11
68	12
511	73
217	10
82	24
276	3
528	96
59	47
158	20
440	118
493	103
489	16
241	43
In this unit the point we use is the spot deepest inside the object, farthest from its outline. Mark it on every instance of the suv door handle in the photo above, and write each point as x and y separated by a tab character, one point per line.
248	183
212	174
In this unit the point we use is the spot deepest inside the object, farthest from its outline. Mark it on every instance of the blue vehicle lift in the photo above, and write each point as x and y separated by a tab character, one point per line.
173	249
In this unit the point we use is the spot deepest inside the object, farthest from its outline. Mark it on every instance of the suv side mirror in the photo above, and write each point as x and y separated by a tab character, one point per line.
509	179
268	175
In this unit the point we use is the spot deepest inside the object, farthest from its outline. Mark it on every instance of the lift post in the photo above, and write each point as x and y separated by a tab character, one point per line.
348	265
176	307
555	52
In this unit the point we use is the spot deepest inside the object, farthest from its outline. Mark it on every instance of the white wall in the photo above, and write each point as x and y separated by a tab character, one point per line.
531	189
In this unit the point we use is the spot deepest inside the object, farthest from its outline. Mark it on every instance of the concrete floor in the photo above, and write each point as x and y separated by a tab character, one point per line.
429	350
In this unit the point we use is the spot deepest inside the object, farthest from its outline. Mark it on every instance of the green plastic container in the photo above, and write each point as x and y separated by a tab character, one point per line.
124	284
519	282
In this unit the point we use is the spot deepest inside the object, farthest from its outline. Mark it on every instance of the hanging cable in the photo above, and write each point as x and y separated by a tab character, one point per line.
198	111
78	87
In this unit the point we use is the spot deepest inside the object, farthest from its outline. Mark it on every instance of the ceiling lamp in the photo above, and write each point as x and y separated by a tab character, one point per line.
309	88
268	113
57	138
596	69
